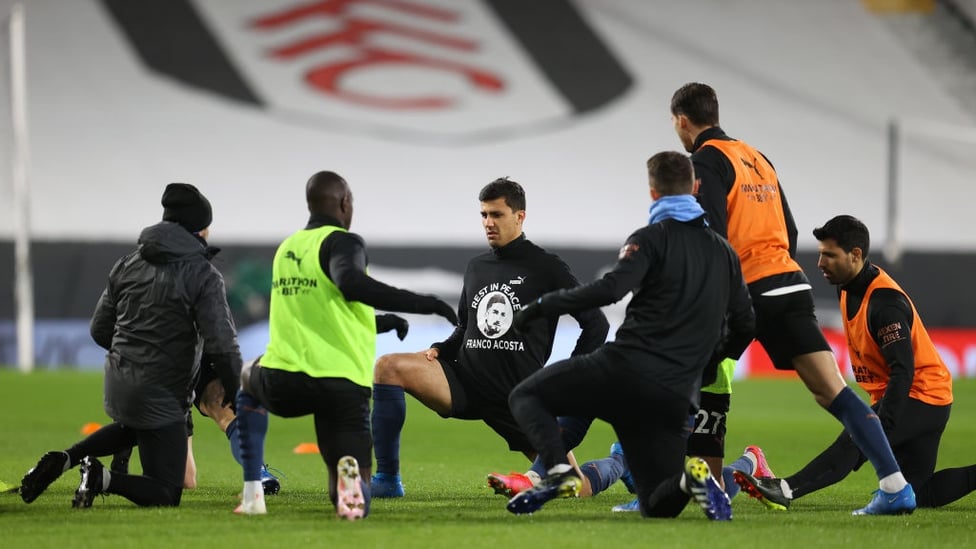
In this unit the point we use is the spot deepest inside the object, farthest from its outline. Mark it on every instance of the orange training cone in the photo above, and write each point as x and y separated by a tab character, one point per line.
306	448
90	428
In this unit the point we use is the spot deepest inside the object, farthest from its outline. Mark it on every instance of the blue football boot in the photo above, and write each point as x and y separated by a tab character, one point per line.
901	502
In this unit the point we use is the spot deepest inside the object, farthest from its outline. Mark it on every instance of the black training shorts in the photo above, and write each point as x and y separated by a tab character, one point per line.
709	426
787	327
468	401
340	408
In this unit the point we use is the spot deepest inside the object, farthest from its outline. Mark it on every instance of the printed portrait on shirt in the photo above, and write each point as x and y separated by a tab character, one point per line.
495	315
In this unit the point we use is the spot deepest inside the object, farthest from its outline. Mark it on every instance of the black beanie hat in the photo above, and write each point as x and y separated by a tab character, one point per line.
184	204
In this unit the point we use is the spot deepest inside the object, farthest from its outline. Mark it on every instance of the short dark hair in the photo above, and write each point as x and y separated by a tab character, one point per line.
698	102
848	231
671	173
324	185
503	187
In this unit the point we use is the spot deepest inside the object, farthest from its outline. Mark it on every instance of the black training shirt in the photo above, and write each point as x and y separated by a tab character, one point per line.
496	284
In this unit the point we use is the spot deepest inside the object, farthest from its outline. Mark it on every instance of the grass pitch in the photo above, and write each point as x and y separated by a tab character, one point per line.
448	503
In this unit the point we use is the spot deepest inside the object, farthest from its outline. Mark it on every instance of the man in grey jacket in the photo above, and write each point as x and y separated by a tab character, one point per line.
163	311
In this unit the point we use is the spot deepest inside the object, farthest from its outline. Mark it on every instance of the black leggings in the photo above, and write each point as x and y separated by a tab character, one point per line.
651	422
915	443
162	453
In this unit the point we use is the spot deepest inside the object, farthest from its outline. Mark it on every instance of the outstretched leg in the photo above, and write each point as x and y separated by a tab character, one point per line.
418	374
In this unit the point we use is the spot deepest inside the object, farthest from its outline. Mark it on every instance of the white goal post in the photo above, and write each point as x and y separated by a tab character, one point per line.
20	164
901	132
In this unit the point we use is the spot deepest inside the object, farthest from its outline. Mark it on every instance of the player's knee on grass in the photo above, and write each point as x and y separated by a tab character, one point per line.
173	496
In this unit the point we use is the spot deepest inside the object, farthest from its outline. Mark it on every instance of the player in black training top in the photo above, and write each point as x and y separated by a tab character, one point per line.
471	373
690	309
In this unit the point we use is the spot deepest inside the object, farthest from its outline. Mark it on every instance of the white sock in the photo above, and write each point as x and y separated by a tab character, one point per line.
106	479
683	484
534	477
892	483
785	487
253	489
559	468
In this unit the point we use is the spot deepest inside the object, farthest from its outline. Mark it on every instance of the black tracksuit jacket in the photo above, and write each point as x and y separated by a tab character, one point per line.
163	307
690	305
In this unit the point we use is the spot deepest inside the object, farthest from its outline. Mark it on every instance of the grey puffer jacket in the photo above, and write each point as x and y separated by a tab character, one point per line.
164	307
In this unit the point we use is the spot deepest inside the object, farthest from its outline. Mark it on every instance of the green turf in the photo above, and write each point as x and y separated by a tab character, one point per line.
447	502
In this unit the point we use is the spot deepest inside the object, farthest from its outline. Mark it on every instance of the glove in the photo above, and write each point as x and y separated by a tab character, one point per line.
387	322
887	422
231	384
440	308
710	373
527	314
229	372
